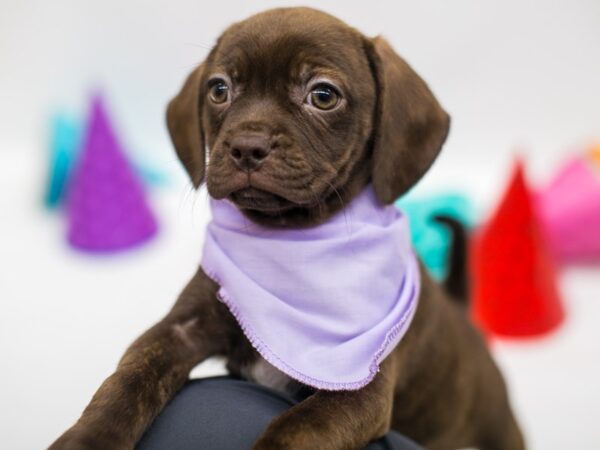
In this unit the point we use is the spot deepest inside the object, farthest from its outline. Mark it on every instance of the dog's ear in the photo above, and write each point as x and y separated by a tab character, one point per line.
184	121
410	125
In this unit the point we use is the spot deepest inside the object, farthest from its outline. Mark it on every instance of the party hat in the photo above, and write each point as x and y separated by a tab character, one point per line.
432	239
570	210
514	282
64	144
107	209
594	155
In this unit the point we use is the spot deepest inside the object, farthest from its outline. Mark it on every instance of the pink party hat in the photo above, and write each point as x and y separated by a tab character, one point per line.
107	210
570	211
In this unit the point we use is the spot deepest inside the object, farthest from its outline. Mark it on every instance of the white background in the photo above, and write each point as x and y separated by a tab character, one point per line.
516	76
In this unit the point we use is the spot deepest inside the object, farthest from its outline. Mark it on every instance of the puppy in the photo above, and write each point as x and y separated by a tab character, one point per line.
300	113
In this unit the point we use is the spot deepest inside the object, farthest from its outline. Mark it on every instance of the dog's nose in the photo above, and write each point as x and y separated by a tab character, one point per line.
249	151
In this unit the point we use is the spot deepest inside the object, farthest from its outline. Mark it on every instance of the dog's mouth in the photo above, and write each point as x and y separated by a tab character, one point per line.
253	199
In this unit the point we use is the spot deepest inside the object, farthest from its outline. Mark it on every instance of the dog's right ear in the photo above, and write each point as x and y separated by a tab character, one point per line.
184	121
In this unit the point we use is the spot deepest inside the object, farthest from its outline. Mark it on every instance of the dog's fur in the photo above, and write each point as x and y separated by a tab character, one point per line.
440	385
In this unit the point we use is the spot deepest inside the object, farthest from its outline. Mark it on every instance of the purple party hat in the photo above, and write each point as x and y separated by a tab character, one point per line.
107	209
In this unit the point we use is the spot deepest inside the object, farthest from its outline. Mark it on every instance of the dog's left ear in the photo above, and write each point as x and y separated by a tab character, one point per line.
410	125
184	121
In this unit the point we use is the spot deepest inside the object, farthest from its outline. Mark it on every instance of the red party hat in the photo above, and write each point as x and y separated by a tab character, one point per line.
107	210
514	281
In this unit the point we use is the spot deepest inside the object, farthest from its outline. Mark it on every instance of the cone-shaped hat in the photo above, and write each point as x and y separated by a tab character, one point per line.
514	282
63	151
570	210
107	210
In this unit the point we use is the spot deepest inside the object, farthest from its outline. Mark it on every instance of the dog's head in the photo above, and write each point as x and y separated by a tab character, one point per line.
299	112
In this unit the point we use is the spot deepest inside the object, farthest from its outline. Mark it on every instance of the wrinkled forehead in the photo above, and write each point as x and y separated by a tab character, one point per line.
286	49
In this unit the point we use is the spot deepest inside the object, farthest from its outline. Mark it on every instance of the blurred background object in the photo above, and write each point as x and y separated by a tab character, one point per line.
432	240
570	209
65	141
514	276
512	74
107	209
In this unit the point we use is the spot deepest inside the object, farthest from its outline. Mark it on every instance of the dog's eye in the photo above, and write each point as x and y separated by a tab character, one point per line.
219	91
323	97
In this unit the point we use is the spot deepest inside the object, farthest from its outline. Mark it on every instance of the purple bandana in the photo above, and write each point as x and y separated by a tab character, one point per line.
325	305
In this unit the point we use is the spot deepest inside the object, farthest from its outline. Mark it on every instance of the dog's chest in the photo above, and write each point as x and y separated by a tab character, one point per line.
263	373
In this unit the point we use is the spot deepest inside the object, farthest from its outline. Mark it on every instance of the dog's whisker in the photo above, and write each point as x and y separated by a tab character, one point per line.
317	200
204	46
342	206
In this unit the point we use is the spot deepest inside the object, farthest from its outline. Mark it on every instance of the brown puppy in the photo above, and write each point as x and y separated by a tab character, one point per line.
299	112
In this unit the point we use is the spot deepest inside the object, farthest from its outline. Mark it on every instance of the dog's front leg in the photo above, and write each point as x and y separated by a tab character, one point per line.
154	367
334	420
